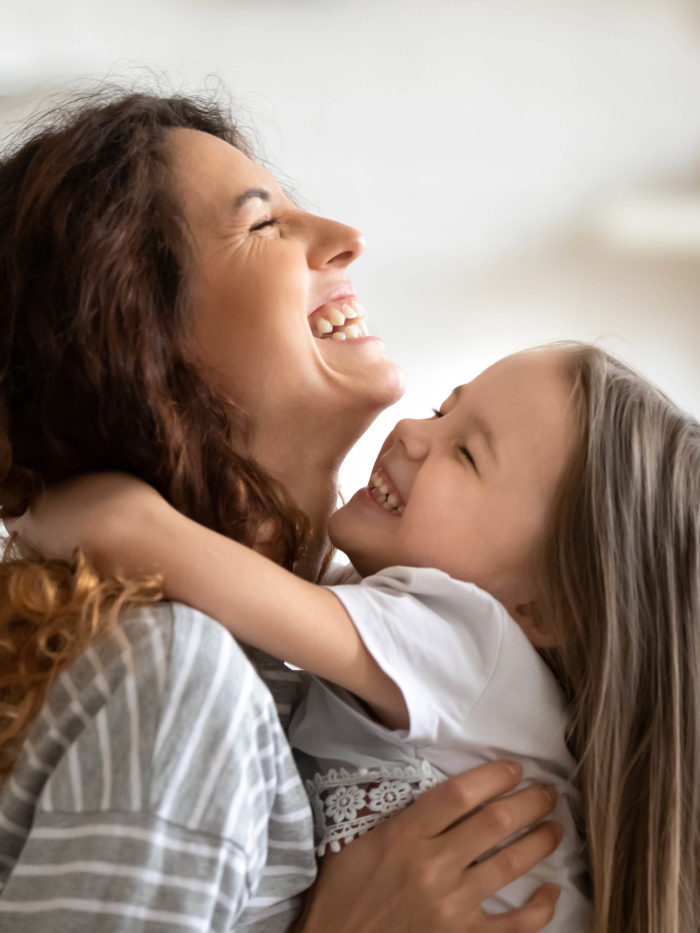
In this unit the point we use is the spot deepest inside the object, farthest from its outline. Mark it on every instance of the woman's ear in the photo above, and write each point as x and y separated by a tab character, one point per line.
528	618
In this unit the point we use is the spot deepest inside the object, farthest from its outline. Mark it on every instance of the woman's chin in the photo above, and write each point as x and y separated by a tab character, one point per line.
381	387
365	371
396	383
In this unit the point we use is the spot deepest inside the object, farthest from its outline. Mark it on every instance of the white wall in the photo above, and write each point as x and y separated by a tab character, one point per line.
477	143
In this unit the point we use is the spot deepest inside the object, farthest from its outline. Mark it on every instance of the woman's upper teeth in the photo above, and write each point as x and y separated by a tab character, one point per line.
341	322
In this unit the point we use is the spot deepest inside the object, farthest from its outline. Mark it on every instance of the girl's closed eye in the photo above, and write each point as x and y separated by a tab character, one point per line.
464	451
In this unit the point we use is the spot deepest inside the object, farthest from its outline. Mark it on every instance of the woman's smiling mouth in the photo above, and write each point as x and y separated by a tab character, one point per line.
343	319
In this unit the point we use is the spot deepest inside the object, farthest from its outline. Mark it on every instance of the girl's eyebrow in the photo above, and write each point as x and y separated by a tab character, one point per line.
262	193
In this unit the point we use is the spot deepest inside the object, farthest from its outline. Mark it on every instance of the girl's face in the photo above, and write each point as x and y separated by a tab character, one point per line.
270	283
470	490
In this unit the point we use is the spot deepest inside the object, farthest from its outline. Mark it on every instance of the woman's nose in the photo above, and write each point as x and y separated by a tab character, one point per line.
332	244
412	435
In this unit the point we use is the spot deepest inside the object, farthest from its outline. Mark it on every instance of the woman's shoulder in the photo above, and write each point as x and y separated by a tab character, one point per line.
161	672
172	641
159	745
172	622
155	642
172	691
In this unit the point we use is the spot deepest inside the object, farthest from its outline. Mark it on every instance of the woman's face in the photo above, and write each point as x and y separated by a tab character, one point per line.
270	286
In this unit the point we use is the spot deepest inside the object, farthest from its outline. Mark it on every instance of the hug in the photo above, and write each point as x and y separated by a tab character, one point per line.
516	636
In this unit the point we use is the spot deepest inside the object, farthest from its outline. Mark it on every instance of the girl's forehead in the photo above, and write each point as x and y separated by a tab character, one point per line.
532	371
519	398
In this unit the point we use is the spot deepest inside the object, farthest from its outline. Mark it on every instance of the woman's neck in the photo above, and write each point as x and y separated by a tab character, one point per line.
313	485
316	494
305	455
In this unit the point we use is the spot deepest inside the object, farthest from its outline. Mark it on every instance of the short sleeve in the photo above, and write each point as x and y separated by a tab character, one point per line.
439	639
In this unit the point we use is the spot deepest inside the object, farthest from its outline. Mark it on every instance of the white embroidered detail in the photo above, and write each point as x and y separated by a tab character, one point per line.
346	803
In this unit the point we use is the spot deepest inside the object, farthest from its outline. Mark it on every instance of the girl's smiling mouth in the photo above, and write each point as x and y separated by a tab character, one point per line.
382	489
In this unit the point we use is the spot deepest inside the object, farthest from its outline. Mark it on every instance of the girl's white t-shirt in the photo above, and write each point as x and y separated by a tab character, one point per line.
475	689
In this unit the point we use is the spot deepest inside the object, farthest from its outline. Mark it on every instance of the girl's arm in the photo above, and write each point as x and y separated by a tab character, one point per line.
126	527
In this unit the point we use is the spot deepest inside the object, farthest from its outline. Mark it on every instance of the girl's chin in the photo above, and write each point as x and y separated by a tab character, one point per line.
342	526
354	524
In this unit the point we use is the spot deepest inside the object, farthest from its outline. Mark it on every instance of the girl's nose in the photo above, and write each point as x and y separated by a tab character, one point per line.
332	244
412	435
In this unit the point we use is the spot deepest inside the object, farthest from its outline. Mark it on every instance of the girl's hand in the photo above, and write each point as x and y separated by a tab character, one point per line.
417	873
94	513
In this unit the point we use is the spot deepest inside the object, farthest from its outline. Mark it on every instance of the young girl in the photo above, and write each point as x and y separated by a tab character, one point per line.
549	511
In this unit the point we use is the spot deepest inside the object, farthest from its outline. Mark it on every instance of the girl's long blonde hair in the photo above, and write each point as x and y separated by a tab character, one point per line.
620	592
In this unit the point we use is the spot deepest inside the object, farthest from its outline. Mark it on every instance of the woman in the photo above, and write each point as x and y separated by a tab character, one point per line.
162	301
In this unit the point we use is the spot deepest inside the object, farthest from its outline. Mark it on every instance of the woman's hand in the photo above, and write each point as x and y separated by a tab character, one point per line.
417	873
97	513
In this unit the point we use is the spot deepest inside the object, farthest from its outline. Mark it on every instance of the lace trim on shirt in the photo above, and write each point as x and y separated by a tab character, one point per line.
346	804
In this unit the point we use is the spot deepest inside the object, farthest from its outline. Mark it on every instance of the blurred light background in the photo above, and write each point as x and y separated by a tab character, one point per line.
523	170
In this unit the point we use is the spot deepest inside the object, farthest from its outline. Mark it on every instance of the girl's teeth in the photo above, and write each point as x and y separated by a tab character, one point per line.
323	326
380	491
336	317
351	330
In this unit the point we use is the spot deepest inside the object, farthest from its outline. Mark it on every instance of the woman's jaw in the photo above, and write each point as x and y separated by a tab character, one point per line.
305	453
339	325
305	449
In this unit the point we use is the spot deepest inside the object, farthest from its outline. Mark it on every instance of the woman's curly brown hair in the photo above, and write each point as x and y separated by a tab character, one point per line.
97	370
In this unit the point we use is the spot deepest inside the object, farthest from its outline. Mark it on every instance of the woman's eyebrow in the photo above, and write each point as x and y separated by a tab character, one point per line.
262	193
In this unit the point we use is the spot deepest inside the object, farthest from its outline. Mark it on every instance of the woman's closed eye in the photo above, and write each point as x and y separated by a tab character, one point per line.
261	224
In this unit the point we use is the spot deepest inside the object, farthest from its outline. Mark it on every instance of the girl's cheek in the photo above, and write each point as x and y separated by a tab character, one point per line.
388	443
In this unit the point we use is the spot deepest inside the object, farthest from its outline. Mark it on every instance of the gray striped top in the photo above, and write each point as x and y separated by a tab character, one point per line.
156	791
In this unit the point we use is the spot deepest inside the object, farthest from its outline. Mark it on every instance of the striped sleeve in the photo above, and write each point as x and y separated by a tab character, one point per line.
120	871
149	793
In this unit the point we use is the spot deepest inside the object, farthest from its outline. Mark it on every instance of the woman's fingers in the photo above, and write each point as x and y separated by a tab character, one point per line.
514	860
397	879
498	820
479	882
421	869
531	917
442	806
